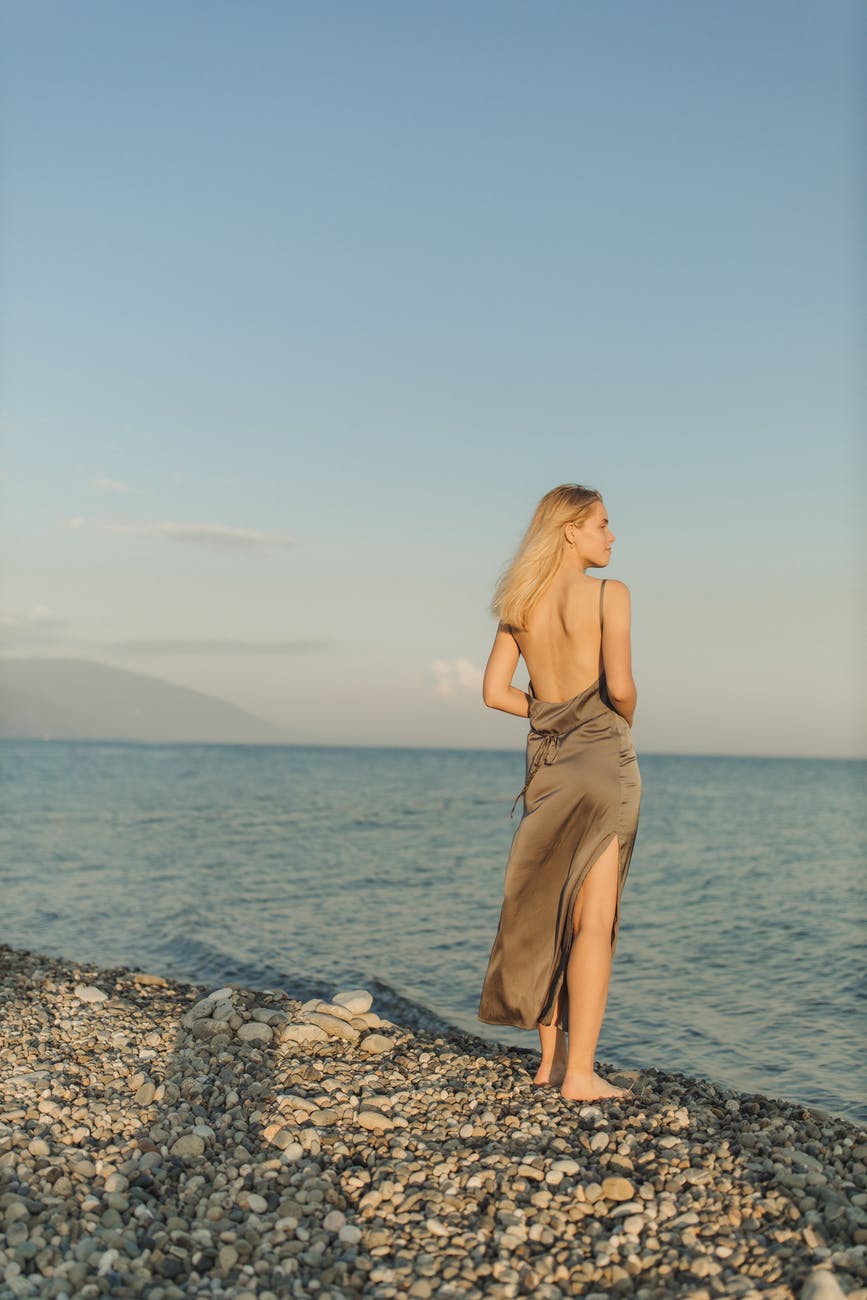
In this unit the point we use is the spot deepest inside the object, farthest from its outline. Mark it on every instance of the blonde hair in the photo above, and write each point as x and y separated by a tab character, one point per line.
538	556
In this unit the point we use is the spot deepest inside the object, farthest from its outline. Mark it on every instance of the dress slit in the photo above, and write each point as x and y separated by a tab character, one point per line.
566	933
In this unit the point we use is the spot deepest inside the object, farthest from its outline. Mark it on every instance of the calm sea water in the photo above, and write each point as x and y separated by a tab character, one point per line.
738	956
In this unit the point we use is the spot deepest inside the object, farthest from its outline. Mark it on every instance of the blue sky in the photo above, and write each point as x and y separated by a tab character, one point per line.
306	305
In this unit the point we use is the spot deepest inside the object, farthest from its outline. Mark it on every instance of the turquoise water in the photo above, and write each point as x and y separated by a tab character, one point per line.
738	957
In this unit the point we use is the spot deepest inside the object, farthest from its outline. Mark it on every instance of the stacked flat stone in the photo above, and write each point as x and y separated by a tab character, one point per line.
348	1016
163	1141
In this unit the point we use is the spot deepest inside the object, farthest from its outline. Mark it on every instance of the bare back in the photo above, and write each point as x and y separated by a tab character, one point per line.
562	644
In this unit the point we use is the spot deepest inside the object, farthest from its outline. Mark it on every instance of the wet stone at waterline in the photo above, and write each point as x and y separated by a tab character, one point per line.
162	1140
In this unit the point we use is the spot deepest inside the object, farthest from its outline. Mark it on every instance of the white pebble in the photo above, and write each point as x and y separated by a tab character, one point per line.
333	1025
223	994
355	1000
376	1043
300	1034
334	1009
372	1119
254	1032
89	993
107	1261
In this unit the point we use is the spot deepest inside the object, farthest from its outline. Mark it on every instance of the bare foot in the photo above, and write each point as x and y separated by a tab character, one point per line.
589	1087
550	1076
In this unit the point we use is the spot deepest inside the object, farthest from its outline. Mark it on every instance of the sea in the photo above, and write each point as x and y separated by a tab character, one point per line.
740	956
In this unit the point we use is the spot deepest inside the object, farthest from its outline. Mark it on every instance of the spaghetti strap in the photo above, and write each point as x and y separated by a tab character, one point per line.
601	594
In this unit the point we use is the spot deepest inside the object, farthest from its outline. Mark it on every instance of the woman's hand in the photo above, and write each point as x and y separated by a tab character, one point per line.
497	689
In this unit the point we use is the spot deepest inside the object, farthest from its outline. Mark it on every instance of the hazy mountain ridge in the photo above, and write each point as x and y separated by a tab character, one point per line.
78	699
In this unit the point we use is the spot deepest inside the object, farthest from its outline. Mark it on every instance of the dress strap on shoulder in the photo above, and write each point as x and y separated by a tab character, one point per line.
601	595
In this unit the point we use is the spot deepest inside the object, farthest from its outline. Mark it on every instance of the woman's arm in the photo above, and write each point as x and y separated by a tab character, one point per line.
617	650
497	689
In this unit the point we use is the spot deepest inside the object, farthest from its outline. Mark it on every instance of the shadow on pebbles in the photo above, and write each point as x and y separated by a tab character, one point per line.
163	1140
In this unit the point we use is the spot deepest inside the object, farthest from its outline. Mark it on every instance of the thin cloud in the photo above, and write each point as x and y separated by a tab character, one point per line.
220	536
33	627
454	677
40	626
213	646
38	619
108	485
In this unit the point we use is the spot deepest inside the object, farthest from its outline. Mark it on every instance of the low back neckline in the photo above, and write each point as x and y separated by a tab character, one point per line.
554	704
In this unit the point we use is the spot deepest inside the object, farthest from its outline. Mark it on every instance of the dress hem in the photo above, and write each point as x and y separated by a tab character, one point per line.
507	1024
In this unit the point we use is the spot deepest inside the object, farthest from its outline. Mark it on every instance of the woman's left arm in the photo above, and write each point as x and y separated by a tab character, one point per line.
497	689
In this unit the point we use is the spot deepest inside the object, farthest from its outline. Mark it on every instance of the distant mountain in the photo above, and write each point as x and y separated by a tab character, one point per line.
74	699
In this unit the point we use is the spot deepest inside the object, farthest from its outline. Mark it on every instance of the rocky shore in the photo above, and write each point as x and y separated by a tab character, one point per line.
163	1140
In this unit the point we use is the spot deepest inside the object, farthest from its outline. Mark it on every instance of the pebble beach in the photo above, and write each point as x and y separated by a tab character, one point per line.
162	1139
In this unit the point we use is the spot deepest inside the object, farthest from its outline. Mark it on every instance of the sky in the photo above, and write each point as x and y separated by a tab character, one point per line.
305	306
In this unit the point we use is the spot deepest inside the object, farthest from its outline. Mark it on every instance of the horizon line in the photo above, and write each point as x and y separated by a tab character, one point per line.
445	749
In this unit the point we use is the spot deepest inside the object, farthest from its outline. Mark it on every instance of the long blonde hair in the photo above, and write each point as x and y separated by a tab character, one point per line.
538	556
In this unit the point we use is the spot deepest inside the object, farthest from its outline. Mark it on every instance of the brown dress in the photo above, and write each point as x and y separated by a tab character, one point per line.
583	787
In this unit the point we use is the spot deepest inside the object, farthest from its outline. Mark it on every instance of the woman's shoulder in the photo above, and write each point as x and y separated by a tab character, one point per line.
615	593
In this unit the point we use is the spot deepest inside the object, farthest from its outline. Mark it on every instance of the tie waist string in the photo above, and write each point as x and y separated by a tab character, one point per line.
546	753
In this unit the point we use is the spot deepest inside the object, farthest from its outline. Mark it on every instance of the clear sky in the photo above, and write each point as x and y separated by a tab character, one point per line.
305	305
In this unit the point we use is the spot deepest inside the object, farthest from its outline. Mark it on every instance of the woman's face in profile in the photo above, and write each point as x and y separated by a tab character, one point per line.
594	537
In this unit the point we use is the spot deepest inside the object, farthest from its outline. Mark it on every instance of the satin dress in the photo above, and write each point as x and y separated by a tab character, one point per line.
582	788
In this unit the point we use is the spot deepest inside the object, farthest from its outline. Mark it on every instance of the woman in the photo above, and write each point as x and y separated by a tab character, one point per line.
551	960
